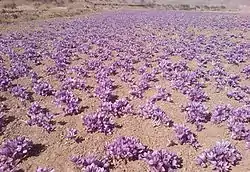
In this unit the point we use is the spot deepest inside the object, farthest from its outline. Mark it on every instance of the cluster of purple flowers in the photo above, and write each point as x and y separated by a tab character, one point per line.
69	102
186	136
233	80
197	95
220	83
184	81
162	160
236	119
41	117
237	124
221	113
12	151
239	130
128	148
7	164
93	64
91	163
137	89
238	95
222	156
170	70
80	71
19	69
71	83
246	71
20	92
104	89
42	88
162	95
118	108
151	111
99	121
5	80
71	134
197	113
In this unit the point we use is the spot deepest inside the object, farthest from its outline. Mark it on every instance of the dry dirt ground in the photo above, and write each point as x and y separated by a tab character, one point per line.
56	150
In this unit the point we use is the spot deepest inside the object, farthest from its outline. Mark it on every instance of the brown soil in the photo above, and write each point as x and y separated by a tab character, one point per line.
56	150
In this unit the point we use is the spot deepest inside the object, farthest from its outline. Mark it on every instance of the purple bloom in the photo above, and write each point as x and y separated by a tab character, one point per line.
128	148
162	160
34	77
93	64
197	95
126	77
246	71
221	113
119	108
16	148
163	95
186	136
103	91
197	114
5	80
43	88
71	133
93	167
99	121
41	169
151	111
7	164
238	95
20	92
136	91
222	156
71	83
220	83
241	114
233	80
80	71
239	130
41	117
184	81
19	69
67	99
91	163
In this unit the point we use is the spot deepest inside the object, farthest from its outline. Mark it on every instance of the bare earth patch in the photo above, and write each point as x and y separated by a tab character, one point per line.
171	47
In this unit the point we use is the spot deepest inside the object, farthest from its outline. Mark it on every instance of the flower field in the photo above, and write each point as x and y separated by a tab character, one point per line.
132	91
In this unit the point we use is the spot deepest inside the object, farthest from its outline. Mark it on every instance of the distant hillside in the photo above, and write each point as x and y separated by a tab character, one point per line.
200	2
227	3
27	10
